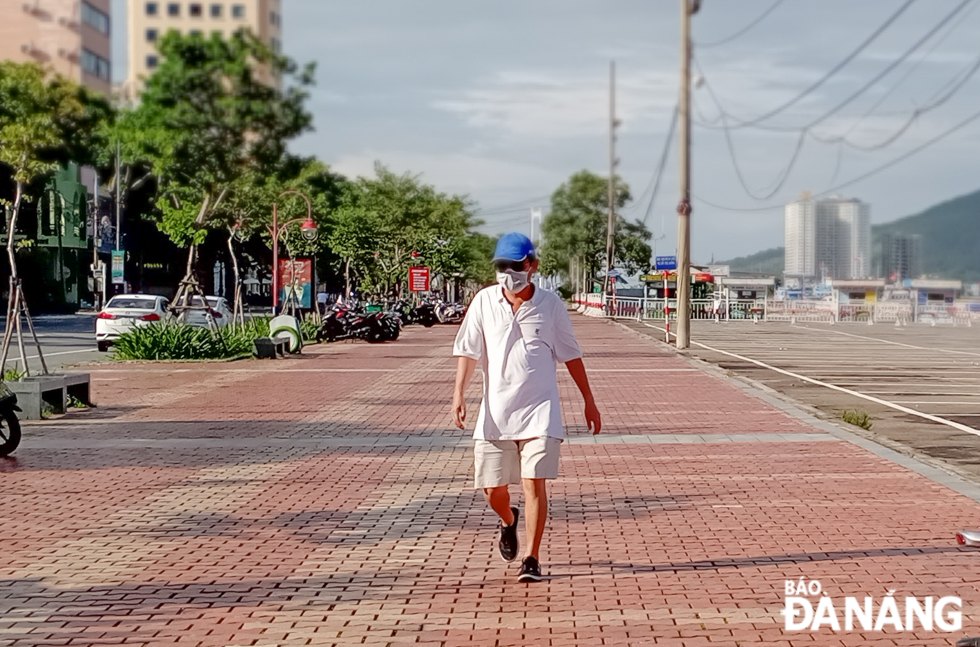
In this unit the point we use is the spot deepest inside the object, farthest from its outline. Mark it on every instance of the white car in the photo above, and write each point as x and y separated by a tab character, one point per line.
126	311
220	312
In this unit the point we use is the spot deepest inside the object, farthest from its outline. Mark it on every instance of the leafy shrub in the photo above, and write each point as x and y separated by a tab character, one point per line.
165	341
309	328
858	419
13	374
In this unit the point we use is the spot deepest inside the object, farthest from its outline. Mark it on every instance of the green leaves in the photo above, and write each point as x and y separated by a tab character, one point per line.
389	223
576	228
209	119
38	118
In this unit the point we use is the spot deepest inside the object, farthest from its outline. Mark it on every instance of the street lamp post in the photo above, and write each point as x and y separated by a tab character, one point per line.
308	229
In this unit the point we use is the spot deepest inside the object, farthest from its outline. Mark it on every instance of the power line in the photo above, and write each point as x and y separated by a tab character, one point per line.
661	166
901	158
783	176
909	73
505	208
655	177
833	71
744	29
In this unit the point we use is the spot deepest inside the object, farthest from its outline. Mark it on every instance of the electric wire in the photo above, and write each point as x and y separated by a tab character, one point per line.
654	182
755	123
745	29
887	165
661	166
884	97
742	123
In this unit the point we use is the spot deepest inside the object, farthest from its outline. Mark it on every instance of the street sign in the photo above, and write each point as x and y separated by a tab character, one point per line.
118	267
666	262
418	279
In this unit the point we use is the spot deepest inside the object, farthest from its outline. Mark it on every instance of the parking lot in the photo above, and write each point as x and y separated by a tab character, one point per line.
919	383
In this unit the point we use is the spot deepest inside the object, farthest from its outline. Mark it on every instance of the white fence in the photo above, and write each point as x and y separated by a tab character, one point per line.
825	311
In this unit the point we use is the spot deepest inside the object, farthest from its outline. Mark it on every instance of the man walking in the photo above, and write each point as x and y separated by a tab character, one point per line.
518	334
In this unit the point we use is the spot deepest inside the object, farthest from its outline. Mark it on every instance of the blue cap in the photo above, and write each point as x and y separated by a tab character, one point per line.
513	247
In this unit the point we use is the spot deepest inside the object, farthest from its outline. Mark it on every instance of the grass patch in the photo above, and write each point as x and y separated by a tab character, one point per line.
858	419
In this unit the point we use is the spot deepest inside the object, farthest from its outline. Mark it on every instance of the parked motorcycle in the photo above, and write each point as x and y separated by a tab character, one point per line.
425	314
9	424
343	323
450	312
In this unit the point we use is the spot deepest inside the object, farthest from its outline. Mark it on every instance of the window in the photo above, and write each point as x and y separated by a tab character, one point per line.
152	9
238	11
217	33
273	18
195	32
95	65
216	10
152	62
173	9
152	35
97	20
196	10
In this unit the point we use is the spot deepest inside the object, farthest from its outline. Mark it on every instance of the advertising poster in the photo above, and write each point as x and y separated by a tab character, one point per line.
296	281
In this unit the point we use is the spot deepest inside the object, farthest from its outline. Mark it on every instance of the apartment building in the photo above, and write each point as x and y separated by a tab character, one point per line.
827	238
800	234
901	256
150	20
71	37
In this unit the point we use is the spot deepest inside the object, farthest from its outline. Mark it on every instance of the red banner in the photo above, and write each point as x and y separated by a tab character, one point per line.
418	279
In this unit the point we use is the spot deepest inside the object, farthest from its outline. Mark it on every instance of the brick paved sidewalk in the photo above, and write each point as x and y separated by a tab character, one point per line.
324	500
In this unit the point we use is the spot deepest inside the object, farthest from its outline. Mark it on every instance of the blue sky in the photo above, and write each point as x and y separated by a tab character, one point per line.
505	100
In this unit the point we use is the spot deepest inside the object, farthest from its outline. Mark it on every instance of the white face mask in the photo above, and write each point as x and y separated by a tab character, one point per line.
513	281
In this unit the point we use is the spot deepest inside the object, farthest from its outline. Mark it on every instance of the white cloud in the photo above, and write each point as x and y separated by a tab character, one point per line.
461	173
546	104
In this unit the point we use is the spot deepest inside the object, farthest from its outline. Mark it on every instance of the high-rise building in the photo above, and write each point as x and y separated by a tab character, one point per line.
901	256
150	20
828	238
71	37
800	236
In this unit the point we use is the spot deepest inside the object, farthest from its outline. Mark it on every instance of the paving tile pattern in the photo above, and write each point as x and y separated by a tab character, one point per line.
324	500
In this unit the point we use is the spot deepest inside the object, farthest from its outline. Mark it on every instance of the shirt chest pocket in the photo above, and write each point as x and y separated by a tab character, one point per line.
537	340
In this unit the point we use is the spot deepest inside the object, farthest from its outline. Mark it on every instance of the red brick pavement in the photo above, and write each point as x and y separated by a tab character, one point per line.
324	500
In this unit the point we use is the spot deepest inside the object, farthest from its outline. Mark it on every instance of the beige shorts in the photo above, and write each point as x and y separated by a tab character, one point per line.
506	462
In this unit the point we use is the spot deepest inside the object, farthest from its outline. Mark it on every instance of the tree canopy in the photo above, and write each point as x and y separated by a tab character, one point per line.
206	123
576	229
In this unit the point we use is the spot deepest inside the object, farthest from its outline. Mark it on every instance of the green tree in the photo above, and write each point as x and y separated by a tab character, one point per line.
391	222
206	121
575	229
37	116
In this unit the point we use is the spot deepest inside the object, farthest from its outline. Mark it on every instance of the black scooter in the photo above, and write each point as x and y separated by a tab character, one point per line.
9	425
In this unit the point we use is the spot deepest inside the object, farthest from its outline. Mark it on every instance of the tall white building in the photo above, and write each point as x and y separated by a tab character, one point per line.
828	238
800	232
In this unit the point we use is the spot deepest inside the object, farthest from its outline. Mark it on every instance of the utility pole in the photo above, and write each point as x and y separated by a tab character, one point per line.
118	195
683	338
613	162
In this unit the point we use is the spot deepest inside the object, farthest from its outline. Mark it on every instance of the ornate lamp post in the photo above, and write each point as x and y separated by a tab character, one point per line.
308	229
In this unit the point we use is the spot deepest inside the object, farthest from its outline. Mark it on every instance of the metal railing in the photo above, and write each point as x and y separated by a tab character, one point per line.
796	310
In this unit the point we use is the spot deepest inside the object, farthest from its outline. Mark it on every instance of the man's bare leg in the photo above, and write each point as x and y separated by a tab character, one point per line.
535	514
499	499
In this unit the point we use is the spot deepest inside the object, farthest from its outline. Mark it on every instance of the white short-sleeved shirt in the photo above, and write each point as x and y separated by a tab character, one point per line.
519	354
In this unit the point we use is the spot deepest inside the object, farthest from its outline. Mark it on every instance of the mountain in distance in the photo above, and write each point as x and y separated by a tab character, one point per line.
950	241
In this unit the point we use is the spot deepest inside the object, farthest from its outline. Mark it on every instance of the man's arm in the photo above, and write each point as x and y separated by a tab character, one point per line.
576	368
464	371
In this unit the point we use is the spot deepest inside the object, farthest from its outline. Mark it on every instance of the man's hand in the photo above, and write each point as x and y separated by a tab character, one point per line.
464	371
592	417
459	410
